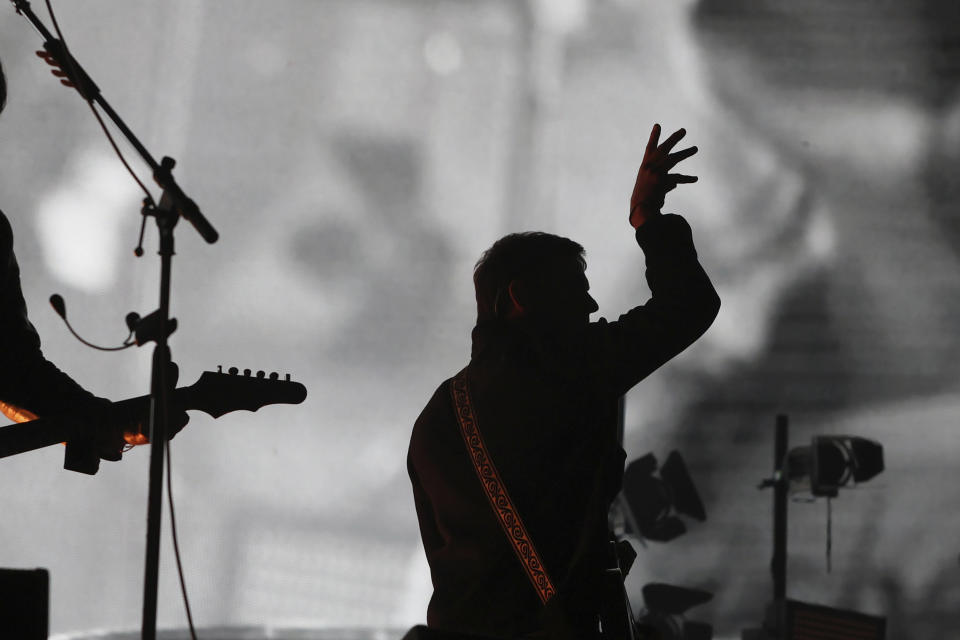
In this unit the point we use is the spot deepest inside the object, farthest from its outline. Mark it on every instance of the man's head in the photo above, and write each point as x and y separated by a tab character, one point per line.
533	275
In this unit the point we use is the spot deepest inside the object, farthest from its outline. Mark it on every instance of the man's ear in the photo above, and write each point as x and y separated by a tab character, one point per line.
519	298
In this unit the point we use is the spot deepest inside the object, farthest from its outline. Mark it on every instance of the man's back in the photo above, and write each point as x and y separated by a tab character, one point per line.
553	441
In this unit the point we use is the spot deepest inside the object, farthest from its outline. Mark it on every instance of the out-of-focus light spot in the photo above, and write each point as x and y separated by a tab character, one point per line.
821	237
443	53
79	223
560	16
266	58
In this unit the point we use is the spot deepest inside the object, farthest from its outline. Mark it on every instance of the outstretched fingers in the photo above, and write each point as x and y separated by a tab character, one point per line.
672	141
679	178
652	143
657	157
671	160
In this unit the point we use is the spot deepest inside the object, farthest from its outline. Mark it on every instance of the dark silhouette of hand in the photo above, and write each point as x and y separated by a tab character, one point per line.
654	179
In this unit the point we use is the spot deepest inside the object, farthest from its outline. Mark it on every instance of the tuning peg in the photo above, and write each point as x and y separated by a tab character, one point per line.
246	372
288	377
233	371
274	375
219	368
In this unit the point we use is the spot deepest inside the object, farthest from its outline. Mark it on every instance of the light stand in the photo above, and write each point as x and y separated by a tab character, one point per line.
784	617
781	487
174	203
773	627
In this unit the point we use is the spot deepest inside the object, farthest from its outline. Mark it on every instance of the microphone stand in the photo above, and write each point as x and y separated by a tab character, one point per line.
173	205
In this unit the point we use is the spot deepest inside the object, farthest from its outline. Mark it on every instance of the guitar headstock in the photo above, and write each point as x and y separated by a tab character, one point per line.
217	393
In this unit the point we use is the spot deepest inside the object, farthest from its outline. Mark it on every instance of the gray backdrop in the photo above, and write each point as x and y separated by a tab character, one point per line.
357	156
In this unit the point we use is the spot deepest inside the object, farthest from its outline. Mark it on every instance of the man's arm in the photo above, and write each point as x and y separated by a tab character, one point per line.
28	380
684	303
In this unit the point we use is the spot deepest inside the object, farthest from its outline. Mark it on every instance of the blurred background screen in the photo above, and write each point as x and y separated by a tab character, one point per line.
358	155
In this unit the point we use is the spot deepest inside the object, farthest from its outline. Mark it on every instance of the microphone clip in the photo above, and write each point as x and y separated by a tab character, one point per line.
148	328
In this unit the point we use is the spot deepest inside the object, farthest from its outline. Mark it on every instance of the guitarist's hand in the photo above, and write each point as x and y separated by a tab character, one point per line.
135	429
136	432
96	437
107	435
113	433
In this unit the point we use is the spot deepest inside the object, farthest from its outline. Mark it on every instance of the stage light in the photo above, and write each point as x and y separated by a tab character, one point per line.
653	504
832	462
823	467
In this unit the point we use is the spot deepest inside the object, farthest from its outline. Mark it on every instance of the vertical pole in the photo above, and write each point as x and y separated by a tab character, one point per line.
159	403
778	565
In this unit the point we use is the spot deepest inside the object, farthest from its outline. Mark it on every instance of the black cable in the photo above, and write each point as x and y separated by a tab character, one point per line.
126	343
176	545
56	301
72	72
829	533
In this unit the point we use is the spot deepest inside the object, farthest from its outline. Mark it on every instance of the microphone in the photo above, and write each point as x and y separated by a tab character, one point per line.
56	301
58	304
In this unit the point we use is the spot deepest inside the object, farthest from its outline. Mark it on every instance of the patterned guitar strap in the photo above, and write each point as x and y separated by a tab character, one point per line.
496	491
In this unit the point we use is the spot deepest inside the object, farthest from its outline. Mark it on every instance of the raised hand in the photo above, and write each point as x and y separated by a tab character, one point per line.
654	179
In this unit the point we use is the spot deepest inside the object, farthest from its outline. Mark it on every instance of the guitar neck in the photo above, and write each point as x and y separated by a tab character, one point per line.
214	393
135	409
25	436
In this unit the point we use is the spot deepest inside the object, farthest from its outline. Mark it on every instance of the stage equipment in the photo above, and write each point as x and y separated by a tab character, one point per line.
24	603
664	612
802	621
829	463
652	505
832	462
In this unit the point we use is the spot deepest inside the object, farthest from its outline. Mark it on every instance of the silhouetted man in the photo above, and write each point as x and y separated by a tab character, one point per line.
534	415
31	385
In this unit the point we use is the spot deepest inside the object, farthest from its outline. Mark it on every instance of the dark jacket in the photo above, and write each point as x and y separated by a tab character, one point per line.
547	413
27	379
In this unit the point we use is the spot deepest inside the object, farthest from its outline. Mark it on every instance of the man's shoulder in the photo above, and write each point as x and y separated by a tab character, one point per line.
434	426
437	406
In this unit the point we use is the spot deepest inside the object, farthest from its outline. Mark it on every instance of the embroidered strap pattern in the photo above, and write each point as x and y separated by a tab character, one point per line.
496	491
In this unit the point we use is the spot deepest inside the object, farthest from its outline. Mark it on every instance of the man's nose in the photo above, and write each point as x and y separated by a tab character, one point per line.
592	304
